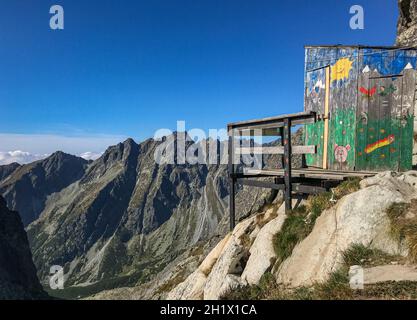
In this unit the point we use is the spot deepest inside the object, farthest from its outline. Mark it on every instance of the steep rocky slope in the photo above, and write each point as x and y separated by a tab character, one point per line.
359	218
18	279
363	219
26	187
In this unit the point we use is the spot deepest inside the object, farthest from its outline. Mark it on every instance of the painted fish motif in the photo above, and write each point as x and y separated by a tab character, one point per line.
379	144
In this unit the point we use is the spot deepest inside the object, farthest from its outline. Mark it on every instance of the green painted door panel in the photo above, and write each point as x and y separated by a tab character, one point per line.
384	133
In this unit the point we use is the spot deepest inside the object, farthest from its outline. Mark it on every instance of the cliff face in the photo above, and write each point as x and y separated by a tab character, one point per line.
407	23
18	278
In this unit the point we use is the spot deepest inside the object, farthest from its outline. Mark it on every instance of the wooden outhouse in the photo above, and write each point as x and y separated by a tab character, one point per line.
364	98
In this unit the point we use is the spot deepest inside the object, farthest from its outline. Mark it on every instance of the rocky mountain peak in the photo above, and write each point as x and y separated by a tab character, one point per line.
407	23
7	170
27	187
120	151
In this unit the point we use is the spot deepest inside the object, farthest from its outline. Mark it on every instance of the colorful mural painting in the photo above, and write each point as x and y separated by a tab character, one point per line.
341	69
341	153
371	113
342	134
366	92
380	143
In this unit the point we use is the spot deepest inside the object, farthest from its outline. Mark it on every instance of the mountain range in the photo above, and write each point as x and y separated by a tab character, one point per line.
121	219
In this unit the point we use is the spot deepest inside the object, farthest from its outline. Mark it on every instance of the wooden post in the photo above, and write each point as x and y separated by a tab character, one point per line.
287	163
232	182
326	119
281	132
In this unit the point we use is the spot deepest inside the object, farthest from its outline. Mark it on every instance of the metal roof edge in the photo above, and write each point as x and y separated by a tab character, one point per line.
358	46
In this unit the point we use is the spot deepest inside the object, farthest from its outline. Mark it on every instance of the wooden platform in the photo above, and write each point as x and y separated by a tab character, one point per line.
293	182
312	173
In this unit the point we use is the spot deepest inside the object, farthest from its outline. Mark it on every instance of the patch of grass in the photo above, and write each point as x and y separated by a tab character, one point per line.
173	282
318	203
295	228
358	254
347	187
246	241
80	292
336	287
267	286
402	290
403	222
197	251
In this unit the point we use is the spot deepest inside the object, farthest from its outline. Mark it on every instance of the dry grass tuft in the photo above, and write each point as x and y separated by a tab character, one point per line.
403	220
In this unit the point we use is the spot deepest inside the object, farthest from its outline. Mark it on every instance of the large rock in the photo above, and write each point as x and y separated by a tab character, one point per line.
221	269
191	289
262	253
225	274
227	266
208	263
357	218
229	263
389	273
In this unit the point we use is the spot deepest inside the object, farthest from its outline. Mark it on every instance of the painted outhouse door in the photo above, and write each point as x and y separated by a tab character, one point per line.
385	126
317	99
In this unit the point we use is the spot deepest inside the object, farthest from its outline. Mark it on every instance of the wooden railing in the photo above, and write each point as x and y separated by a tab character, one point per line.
275	126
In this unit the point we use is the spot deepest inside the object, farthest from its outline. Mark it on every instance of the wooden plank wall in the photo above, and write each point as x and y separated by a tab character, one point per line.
314	100
361	114
343	101
386	110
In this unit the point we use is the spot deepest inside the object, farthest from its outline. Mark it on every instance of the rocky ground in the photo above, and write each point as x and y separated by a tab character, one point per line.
375	217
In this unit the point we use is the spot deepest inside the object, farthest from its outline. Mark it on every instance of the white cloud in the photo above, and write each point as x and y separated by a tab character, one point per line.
24	157
49	143
39	146
91	155
18	156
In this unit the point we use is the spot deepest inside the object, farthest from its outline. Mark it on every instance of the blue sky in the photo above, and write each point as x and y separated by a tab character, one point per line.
128	68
